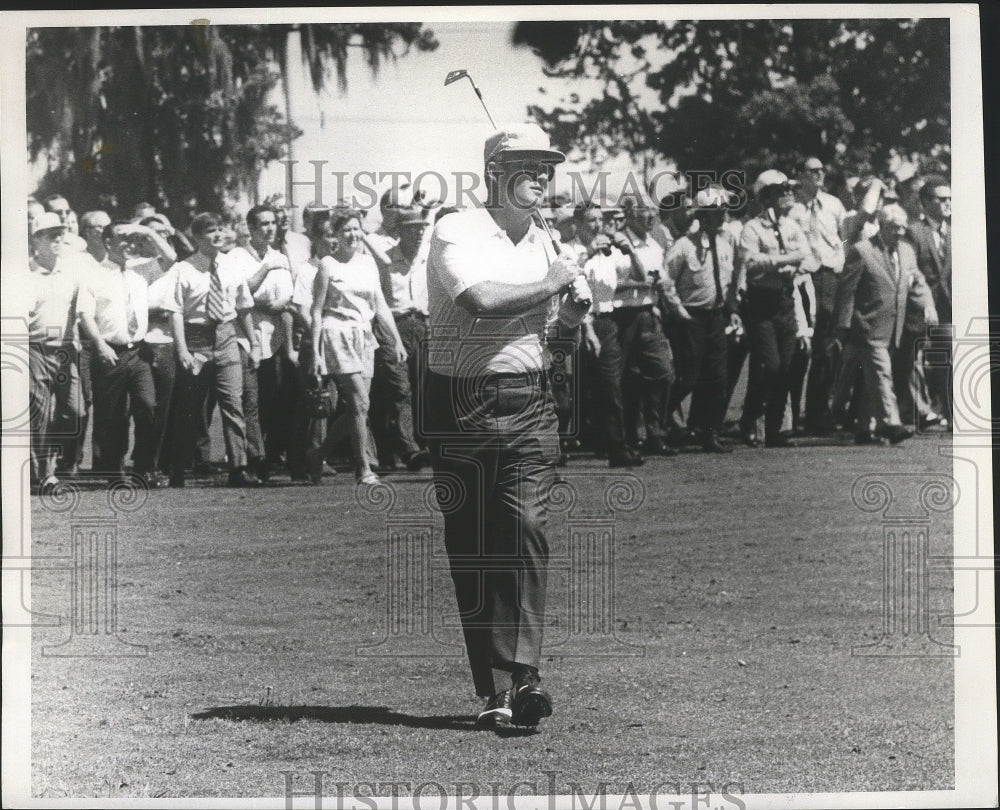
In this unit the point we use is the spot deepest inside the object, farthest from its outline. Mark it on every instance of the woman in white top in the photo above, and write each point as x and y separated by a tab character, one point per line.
347	294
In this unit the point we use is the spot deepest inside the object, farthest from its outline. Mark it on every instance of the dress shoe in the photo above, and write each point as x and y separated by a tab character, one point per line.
263	468
177	481
710	444
822	427
867	437
895	433
655	447
779	441
497	712
625	458
529	702
46	487
929	420
417	461
242	478
152	480
750	438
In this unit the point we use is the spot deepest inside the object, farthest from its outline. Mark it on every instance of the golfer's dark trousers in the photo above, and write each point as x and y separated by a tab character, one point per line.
771	334
701	356
125	387
494	445
634	368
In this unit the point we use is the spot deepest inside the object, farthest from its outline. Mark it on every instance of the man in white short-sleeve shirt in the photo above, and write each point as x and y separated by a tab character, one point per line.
494	285
268	390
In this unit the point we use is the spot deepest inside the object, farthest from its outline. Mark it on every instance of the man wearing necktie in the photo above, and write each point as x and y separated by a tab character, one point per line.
121	370
212	298
881	281
703	268
931	238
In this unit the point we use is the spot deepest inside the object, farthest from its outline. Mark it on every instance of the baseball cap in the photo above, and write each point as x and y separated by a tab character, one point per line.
47	222
771	177
522	140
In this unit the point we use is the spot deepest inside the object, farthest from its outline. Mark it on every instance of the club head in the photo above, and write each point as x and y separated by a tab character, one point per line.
454	76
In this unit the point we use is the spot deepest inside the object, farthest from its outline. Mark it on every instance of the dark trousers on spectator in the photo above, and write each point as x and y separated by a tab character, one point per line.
413	330
74	444
822	370
494	444
701	354
276	396
797	371
221	373
163	365
251	410
938	359
55	405
120	390
563	348
391	409
908	379
635	371
771	338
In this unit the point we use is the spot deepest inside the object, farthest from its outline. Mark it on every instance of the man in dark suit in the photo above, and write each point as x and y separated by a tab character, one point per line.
931	238
881	282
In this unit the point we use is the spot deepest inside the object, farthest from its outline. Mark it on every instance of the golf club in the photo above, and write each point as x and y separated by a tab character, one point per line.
580	291
455	75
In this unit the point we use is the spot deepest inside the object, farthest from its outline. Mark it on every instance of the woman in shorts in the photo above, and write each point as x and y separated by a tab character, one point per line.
347	294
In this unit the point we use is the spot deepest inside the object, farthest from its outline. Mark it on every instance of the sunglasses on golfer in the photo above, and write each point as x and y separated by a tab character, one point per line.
533	168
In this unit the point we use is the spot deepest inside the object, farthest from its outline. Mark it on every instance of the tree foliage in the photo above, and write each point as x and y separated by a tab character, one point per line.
717	94
177	115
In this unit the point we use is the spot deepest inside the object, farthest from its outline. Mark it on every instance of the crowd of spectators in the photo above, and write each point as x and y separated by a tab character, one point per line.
310	345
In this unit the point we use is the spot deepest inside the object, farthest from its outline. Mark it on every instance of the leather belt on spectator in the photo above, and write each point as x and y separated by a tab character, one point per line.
120	348
410	313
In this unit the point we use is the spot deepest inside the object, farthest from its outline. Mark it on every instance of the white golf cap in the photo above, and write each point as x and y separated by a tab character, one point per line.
711	197
771	177
523	141
48	222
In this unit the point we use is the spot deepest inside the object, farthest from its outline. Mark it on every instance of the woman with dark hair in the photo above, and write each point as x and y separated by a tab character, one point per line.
347	294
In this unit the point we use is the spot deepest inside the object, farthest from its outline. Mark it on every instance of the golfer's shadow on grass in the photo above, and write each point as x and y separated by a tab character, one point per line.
361	715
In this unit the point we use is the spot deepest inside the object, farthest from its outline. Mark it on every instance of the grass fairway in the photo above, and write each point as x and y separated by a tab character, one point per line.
742	582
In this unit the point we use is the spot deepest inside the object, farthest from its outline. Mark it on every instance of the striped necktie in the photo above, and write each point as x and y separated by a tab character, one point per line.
131	319
715	269
216	303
